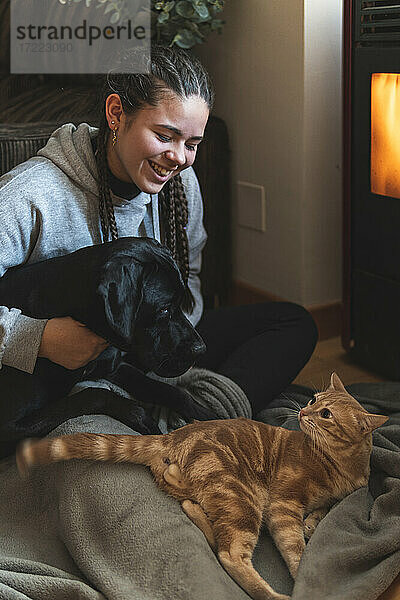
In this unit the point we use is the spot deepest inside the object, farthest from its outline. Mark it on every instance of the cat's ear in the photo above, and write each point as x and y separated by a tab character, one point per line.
369	422
336	384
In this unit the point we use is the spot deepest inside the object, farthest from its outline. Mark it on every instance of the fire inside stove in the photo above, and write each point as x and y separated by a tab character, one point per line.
385	134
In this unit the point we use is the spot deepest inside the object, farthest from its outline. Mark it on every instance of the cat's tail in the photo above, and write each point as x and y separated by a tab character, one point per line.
139	449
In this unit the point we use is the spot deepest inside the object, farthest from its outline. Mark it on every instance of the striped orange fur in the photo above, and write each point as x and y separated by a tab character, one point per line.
230	475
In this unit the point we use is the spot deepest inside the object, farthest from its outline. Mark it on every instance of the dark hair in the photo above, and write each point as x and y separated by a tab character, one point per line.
168	70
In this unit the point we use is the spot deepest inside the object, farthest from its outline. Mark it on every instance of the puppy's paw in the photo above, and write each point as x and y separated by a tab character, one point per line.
188	408
151	426
138	420
197	412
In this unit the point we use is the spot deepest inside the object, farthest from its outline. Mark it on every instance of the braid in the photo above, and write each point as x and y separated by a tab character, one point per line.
174	208
107	217
181	217
101	161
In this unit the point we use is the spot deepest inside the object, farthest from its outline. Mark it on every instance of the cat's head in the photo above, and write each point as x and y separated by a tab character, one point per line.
334	418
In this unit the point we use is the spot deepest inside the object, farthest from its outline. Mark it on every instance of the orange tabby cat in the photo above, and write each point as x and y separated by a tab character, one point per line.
230	475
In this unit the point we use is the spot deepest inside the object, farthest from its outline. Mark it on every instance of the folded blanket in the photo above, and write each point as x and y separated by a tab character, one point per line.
84	530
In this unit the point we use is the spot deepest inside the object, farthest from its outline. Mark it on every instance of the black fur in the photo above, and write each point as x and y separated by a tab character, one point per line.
127	291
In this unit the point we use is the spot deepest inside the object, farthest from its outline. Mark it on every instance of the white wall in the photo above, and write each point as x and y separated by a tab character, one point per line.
322	152
276	68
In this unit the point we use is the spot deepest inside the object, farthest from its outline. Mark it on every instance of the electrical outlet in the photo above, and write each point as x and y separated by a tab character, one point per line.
251	206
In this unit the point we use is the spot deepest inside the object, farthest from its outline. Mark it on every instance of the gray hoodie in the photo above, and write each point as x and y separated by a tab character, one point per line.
49	207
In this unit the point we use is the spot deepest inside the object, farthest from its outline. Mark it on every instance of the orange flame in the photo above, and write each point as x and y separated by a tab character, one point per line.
385	134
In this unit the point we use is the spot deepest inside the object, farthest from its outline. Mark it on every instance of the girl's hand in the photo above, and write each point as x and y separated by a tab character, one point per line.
70	343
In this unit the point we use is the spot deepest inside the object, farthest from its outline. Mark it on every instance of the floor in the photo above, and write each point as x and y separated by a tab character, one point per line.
329	356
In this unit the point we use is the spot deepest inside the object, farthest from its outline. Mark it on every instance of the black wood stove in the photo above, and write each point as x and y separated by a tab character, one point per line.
371	330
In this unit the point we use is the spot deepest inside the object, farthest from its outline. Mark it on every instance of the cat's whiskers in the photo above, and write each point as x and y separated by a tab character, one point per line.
312	385
284	416
291	400
292	419
315	442
292	411
295	404
304	440
323	437
307	434
310	431
288	414
319	443
315	437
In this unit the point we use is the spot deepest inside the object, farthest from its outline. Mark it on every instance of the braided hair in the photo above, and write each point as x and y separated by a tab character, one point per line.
167	70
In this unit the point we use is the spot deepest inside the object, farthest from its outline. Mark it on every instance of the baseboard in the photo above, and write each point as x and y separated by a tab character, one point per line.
328	317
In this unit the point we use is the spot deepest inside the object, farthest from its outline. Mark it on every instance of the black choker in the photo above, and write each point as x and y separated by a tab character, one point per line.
122	189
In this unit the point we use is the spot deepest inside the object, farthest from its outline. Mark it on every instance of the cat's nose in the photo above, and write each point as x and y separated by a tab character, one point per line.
301	413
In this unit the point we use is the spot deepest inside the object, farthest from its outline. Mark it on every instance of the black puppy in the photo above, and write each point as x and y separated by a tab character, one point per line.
129	292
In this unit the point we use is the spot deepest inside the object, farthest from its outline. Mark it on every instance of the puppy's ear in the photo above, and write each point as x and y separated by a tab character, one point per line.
121	289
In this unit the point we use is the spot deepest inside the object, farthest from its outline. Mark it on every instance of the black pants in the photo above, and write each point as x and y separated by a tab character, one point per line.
261	347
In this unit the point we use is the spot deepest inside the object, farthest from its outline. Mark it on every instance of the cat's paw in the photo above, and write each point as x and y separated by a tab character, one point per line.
311	521
309	525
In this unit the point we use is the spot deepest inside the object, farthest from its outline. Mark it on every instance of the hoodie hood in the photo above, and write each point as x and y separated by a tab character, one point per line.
70	149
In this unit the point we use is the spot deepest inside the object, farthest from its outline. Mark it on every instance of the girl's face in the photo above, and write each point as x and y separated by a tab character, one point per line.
156	143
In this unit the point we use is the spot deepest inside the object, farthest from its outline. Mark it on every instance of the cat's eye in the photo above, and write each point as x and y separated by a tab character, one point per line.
312	401
325	413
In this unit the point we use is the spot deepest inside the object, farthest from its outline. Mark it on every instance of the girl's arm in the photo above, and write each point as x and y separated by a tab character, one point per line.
20	336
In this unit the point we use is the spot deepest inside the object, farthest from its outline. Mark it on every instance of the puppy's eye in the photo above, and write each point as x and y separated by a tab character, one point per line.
325	413
164	312
312	401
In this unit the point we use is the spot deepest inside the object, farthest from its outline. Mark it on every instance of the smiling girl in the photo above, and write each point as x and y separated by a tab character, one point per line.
132	177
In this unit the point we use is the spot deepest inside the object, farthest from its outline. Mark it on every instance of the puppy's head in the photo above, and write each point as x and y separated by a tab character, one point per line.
121	291
142	289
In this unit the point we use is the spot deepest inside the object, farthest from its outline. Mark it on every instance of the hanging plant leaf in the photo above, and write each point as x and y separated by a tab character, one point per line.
163	17
218	5
181	22
185	9
184	39
202	11
195	28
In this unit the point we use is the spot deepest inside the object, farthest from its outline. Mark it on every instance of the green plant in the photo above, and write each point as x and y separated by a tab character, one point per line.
181	22
185	22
